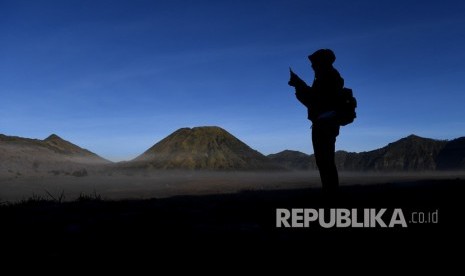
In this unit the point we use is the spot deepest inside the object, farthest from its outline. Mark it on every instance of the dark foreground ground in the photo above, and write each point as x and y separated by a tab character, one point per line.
242	225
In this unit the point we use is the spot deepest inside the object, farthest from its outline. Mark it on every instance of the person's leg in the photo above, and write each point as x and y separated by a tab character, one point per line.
324	142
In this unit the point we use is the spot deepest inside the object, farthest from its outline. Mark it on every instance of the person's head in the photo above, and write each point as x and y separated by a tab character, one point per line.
323	58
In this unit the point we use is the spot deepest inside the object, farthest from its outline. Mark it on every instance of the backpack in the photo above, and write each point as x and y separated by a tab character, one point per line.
346	107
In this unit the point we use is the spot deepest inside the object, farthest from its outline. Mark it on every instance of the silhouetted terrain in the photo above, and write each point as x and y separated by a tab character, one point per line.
294	160
452	156
237	226
215	149
412	153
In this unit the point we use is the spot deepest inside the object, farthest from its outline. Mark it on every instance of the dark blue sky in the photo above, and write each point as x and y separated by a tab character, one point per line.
117	76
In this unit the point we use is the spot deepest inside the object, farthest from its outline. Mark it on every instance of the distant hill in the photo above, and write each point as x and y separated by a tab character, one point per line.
452	156
19	156
202	148
412	153
294	160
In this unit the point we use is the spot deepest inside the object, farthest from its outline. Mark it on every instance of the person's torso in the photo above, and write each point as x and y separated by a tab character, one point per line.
325	89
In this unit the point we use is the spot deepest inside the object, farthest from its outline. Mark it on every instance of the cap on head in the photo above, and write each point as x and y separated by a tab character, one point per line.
323	56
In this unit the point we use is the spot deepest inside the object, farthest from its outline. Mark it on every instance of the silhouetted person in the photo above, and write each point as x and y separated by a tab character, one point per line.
320	100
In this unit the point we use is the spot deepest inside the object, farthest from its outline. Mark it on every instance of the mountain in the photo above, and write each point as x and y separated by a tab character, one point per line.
412	153
19	156
452	156
60	146
202	148
294	160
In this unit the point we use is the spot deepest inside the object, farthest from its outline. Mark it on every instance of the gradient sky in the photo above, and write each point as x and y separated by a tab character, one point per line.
115	77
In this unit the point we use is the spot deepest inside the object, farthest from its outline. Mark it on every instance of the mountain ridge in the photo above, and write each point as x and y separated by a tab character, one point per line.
213	148
411	153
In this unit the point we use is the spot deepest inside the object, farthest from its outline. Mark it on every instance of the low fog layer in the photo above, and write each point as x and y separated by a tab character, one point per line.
161	184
